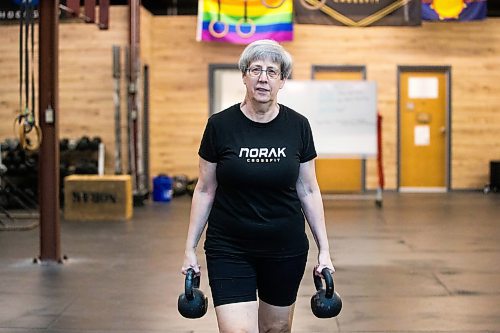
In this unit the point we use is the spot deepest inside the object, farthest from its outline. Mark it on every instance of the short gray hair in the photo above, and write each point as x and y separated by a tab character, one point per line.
266	49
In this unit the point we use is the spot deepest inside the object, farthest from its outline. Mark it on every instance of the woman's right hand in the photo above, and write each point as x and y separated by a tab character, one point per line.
190	261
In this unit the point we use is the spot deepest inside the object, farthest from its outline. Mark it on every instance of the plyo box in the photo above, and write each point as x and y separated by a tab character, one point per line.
92	197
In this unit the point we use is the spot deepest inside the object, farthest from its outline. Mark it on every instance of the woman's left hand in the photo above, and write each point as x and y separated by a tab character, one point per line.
324	261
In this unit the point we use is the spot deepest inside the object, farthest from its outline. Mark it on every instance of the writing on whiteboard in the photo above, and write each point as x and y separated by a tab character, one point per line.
342	114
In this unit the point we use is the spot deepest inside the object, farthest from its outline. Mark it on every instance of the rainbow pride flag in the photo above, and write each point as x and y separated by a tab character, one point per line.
244	21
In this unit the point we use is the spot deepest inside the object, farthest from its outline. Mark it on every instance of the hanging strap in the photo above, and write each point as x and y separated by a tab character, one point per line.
218	10
245	10
32	64
25	121
21	34
26	57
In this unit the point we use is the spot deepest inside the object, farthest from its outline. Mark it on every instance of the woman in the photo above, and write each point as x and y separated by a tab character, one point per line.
256	182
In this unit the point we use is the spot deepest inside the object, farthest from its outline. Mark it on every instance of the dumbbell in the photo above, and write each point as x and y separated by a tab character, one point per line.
64	145
179	185
94	143
191	186
83	143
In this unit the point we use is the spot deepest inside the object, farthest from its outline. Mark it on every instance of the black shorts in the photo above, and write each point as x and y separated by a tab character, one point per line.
236	278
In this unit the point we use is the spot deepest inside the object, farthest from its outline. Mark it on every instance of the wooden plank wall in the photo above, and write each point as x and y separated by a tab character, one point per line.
85	79
179	83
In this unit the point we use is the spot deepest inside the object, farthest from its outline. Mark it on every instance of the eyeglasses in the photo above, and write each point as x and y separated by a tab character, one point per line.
272	73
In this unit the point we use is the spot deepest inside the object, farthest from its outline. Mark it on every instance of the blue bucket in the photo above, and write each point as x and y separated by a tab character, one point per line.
162	188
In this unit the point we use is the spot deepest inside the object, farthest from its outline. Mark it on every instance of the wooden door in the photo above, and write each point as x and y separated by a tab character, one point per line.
340	175
423	130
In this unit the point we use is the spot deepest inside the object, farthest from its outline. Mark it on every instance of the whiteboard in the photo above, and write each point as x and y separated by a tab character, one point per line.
228	89
342	114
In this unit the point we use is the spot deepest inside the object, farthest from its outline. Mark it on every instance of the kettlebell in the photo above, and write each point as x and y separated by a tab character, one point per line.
192	303
325	303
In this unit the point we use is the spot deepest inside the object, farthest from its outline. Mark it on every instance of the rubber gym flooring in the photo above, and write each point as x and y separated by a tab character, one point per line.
422	263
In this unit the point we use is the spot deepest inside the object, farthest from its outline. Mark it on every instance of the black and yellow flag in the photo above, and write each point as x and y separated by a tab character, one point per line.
358	13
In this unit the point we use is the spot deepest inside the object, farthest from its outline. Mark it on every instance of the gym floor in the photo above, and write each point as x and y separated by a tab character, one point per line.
422	263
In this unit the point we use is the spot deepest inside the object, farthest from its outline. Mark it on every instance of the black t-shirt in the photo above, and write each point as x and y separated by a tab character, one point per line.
256	208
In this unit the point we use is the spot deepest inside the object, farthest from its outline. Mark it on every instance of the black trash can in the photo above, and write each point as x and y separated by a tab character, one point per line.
495	176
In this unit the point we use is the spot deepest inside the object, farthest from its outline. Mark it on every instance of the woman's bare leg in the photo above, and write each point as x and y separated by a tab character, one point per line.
275	319
238	317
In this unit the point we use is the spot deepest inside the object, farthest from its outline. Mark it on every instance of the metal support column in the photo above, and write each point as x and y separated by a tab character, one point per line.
48	107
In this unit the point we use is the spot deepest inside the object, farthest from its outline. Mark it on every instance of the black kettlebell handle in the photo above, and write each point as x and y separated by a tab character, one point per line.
192	281
328	282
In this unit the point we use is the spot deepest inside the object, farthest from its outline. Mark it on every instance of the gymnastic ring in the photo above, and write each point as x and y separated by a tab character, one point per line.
264	2
215	33
319	4
241	33
23	138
